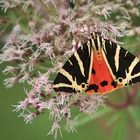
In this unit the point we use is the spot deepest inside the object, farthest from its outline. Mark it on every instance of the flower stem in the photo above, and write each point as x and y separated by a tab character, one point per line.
128	101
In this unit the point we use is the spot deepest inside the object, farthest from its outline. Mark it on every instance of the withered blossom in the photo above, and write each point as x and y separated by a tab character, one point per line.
39	51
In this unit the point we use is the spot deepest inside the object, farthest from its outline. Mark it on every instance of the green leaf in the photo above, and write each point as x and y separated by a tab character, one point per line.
134	112
113	119
119	131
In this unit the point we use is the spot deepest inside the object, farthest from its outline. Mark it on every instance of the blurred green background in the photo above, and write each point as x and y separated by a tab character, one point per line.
108	123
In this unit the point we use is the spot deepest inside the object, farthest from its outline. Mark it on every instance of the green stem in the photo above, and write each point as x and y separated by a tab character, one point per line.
128	101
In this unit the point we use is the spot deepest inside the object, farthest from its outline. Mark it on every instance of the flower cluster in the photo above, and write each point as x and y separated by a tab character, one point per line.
53	31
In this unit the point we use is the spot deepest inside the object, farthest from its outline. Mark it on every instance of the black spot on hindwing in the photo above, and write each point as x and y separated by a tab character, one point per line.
104	83
114	84
93	71
92	87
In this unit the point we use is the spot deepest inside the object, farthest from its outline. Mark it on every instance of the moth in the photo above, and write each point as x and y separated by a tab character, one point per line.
98	66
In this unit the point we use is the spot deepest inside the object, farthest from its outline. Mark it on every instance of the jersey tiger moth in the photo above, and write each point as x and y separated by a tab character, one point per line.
100	66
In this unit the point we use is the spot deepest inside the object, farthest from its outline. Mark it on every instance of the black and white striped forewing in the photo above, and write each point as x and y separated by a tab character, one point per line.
124	66
75	71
